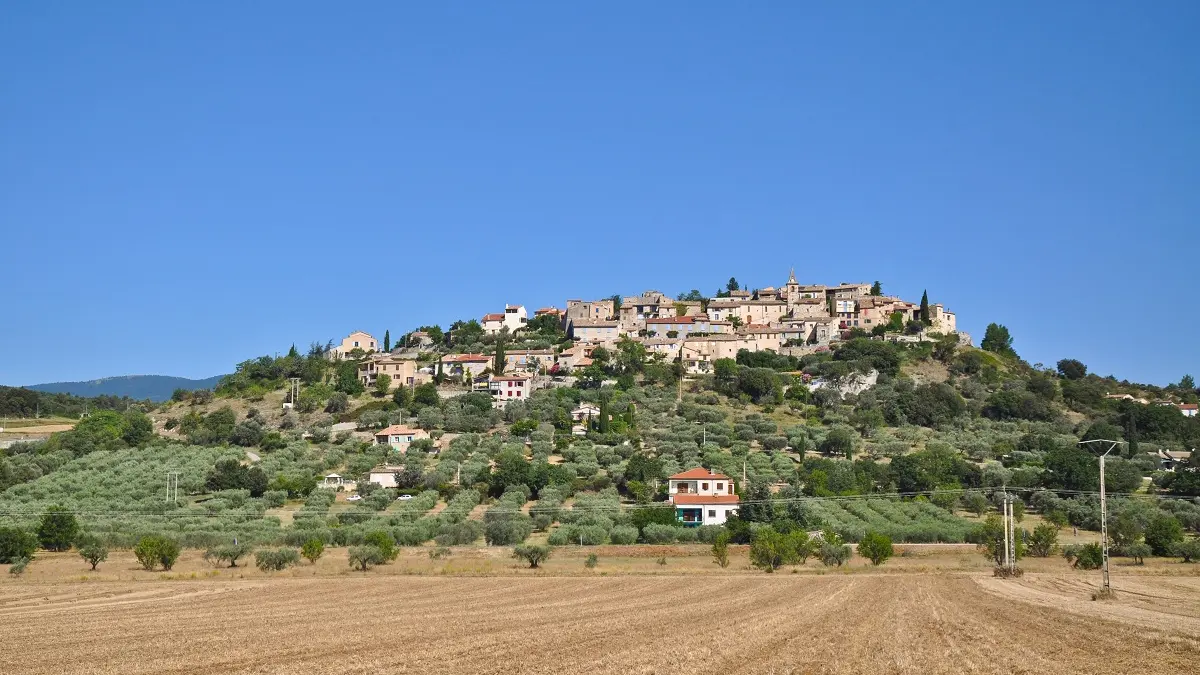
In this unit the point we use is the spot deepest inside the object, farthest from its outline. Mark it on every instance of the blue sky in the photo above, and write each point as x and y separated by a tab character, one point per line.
184	186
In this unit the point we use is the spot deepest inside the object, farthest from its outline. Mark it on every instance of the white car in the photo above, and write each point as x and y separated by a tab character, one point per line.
354	498
404	498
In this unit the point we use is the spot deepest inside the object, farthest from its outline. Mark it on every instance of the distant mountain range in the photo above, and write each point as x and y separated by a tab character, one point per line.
153	387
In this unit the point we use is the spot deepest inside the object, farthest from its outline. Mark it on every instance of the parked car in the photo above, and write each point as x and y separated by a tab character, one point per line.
404	498
354	498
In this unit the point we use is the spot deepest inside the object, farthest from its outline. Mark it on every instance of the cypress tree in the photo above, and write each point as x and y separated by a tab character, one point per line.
387	340
499	362
925	308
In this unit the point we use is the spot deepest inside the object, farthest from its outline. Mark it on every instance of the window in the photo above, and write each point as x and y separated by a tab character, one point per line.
356	343
704	486
720	487
712	513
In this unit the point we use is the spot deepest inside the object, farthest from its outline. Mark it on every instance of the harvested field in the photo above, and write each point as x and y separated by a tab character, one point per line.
742	623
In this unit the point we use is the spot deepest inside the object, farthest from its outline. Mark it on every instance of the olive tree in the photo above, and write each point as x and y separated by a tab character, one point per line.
534	554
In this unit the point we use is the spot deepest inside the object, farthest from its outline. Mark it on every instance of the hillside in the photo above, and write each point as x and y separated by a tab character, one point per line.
152	387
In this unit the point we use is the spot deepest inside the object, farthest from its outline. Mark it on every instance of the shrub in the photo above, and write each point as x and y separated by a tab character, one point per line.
227	553
459	534
533	554
507	529
720	550
58	529
875	547
274	560
1086	556
154	550
1188	550
93	552
16	544
439	552
591	561
363	557
312	550
18	566
623	534
834	550
655	533
1043	540
274	499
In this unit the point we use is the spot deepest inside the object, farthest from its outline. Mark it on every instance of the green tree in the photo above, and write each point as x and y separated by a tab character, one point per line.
426	395
534	554
925	308
499	362
876	547
997	340
227	553
975	502
137	429
58	529
312	550
402	396
838	442
876	289
1187	383
16	544
1139	552
768	549
274	560
387	340
732	285
93	552
363	557
1162	533
383	382
1072	369
720	549
154	550
1042	540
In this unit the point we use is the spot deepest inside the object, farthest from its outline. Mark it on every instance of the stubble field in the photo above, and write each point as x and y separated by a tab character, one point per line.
638	618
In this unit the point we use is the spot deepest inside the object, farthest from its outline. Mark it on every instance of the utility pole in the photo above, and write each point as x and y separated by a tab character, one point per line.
1104	508
172	487
1004	518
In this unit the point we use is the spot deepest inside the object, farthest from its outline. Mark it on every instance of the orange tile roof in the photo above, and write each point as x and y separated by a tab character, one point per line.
493	317
699	472
1189	406
397	429
461	358
688	499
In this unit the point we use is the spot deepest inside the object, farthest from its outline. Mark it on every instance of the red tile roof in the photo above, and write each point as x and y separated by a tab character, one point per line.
688	499
1189	406
698	472
493	317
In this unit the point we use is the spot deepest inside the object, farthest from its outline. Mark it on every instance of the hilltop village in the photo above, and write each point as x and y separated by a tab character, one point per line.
689	331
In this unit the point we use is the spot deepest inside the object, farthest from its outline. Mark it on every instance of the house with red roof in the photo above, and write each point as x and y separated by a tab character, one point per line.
1188	409
702	497
399	436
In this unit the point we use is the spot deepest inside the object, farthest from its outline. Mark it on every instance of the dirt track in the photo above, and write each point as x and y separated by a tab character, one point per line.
741	624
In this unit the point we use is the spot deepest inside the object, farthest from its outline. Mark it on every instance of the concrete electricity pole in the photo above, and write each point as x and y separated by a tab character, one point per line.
1104	507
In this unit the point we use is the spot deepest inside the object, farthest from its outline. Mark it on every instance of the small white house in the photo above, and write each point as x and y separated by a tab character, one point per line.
384	476
333	481
702	497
